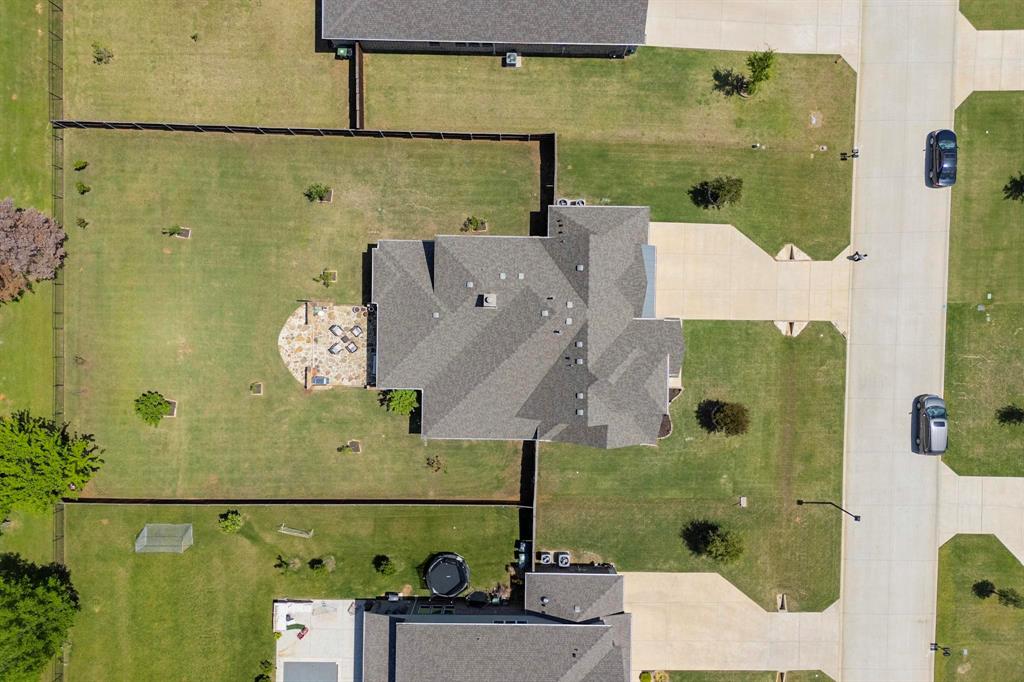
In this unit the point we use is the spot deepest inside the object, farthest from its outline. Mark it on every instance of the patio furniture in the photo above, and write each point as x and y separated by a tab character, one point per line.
357	330
335	349
351	348
336	330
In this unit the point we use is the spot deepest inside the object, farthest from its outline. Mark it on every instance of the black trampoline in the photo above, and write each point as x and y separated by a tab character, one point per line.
447	575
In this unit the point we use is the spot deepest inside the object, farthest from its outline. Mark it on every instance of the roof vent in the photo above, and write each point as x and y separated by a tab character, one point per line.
579	396
502	275
568	320
568	304
579	361
576	608
579	412
545	312
436	315
490	300
521	275
544	601
579	267
579	344
469	285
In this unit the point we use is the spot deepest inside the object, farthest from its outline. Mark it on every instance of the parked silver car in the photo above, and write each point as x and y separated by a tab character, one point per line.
931	424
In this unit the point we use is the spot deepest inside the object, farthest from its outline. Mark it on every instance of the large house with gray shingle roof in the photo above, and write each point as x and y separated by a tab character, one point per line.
548	338
572	628
605	28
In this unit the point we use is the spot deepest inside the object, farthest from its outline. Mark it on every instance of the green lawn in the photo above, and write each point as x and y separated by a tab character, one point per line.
252	61
628	506
644	129
199	319
747	676
30	535
985	349
994	14
205	614
25	360
990	632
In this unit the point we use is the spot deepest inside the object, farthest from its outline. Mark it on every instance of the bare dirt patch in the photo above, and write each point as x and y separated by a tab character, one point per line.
39	8
407	590
816	119
166	251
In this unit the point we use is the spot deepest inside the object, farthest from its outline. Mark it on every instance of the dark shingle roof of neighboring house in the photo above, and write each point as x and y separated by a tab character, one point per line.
574	596
563	22
491	652
573	317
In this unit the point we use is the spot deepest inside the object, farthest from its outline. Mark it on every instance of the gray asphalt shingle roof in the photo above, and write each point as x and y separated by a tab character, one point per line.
574	596
589	22
566	323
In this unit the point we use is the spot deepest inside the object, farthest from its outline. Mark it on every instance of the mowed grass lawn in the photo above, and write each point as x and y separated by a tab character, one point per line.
643	130
26	367
250	62
628	506
206	614
985	349
989	631
748	676
199	319
994	14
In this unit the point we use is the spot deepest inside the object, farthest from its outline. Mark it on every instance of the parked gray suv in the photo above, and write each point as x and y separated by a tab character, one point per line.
930	424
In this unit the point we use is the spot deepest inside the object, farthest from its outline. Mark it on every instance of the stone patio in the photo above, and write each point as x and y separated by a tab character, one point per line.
306	337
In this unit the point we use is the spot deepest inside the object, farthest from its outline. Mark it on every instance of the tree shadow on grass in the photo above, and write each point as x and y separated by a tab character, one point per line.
698	534
729	82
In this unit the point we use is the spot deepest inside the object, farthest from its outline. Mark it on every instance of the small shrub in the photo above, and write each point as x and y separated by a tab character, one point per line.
194	37
718	416
266	665
645	677
173	231
81	165
101	55
474	224
762	68
323	278
82	188
717	192
230	521
152	407
317	192
262	677
383	564
287	566
1010	597
82	223
278	635
1009	415
318	566
709	539
436	464
400	401
983	589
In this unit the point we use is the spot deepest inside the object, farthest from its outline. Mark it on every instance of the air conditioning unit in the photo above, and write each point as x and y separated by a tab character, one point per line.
513	60
545	558
562	201
563	559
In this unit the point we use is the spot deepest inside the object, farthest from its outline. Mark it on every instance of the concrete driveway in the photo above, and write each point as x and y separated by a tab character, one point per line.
700	621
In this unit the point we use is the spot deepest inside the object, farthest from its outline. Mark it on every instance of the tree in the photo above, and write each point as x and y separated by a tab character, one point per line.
1014	189
400	401
31	249
37	607
317	192
709	539
152	407
1010	414
1010	597
983	589
762	68
41	461
81	165
383	564
717	192
82	188
718	416
230	521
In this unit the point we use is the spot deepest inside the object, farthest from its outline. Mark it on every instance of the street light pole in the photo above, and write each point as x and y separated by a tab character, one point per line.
856	517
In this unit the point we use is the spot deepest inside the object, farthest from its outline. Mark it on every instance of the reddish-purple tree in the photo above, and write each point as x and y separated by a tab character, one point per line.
31	248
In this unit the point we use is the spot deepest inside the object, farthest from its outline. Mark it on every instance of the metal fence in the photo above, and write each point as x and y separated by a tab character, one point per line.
308	132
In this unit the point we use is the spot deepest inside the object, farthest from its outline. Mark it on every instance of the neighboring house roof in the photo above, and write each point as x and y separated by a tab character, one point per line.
565	22
492	652
574	596
567	322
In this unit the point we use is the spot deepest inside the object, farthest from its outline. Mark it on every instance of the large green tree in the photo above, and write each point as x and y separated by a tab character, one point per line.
42	462
37	607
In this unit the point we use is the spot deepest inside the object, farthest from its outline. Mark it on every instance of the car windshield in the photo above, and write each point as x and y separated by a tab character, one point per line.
947	144
936	412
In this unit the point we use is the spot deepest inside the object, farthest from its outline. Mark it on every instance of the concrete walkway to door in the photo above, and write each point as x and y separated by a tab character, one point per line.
700	621
715	272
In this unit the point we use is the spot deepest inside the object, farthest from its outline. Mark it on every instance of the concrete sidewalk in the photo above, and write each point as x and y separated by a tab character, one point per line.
715	272
796	26
700	621
987	60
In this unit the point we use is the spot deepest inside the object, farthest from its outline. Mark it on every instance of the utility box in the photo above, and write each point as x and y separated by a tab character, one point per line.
343	53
